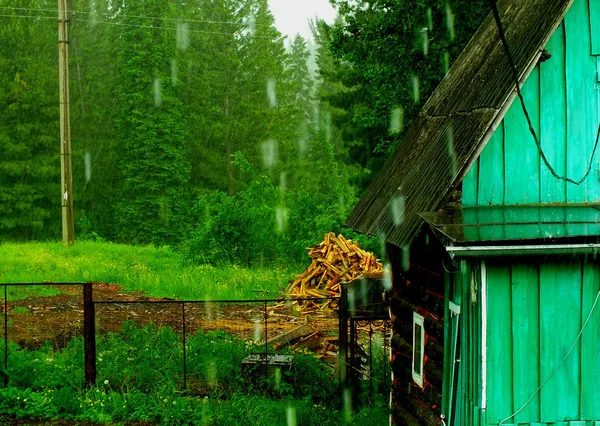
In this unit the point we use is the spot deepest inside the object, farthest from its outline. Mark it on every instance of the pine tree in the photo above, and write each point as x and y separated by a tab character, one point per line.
153	156
29	163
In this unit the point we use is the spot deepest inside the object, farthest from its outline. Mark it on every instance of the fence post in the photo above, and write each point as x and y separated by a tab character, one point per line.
5	337
343	338
89	334
184	331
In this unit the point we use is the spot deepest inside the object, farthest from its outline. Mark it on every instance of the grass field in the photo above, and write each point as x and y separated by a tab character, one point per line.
158	272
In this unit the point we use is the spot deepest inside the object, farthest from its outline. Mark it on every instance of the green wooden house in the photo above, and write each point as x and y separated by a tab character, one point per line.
494	253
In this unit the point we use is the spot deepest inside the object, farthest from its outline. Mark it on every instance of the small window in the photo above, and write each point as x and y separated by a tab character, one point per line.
418	349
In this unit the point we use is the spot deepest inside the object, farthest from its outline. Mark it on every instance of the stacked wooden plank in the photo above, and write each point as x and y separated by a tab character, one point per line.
334	261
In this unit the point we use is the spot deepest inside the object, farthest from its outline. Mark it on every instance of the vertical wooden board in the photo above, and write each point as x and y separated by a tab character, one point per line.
553	119
491	171
590	345
499	344
447	346
582	105
560	321
526	341
595	25
522	158
470	186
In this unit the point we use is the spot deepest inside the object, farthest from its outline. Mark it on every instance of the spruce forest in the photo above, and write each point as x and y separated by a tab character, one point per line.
197	125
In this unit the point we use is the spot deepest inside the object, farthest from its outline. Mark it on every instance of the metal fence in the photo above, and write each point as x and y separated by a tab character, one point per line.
40	316
201	345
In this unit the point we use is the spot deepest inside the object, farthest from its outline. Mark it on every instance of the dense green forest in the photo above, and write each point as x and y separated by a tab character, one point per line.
197	125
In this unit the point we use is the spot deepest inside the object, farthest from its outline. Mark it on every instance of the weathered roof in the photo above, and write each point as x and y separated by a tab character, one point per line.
456	122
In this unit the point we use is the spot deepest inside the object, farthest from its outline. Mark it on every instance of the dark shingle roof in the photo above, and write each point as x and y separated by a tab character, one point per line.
456	122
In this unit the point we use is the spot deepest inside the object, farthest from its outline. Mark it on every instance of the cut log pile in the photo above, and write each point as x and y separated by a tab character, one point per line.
334	261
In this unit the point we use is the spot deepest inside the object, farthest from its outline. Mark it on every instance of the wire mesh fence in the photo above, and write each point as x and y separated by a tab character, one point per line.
57	335
40	321
207	346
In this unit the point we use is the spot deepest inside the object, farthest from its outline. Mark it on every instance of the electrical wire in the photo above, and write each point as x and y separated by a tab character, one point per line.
30	17
79	12
531	129
103	22
587	320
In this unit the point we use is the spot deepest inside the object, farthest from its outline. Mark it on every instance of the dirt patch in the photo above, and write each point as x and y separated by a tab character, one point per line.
57	319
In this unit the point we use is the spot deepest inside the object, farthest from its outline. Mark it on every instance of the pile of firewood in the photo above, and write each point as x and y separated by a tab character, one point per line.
334	261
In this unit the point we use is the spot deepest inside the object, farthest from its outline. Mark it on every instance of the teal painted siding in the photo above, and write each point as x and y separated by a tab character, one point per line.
534	316
562	97
462	387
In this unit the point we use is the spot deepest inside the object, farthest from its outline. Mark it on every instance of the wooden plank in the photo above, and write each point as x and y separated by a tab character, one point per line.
526	341
553	119
582	108
595	26
590	345
522	159
560	321
499	344
470	186
290	335
491	171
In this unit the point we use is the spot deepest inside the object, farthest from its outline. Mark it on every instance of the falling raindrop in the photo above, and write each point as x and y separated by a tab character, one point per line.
93	14
396	120
211	374
430	19
405	258
414	79
281	219
282	183
173	72
351	302
87	160
251	24
327	124
291	416
387	277
271	92
163	209
208	310
183	35
398	206
450	21
423	40
269	149
277	384
303	139
157	87
446	62
451	152
257	328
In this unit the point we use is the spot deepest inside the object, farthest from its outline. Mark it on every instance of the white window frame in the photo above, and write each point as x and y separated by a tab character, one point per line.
418	375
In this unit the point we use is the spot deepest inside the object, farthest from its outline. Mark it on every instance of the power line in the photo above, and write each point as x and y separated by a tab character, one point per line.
78	12
30	17
156	27
104	22
531	129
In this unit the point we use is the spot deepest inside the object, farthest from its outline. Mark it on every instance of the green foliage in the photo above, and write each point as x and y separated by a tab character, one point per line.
150	120
46	383
29	163
156	272
265	223
390	55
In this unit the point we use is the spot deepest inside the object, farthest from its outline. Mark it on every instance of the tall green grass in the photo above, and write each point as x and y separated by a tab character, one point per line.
157	272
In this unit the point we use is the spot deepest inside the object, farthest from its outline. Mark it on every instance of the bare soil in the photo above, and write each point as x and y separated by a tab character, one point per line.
57	319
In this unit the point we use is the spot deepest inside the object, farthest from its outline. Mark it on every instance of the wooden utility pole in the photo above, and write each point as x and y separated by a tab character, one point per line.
66	180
